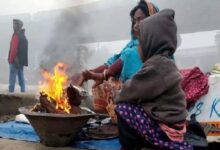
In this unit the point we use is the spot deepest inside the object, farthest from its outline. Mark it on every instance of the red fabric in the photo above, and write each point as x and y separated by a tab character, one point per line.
114	69
174	134
13	48
194	84
99	69
100	105
101	96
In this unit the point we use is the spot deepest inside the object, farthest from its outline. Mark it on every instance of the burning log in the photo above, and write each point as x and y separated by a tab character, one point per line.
75	96
49	106
55	96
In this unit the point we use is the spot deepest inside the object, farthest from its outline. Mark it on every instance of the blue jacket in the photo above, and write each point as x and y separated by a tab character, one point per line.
130	59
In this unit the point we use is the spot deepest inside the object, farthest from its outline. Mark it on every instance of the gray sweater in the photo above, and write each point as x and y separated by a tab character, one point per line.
157	85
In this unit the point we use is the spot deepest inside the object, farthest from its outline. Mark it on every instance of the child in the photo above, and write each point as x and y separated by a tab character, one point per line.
151	107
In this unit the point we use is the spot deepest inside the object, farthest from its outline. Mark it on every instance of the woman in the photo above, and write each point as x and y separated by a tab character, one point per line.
127	62
123	65
151	107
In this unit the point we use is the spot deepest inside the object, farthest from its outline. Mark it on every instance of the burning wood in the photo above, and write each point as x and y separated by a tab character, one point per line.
55	96
50	106
75	95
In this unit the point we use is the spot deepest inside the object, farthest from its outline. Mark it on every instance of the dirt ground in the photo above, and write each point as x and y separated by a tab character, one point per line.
6	144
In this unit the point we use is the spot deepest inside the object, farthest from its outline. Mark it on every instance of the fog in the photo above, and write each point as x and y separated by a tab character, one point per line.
85	35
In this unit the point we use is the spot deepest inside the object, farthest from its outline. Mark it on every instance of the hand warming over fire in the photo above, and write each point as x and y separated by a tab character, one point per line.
97	77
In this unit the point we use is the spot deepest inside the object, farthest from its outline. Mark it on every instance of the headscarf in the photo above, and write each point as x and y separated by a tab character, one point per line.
18	22
158	34
150	10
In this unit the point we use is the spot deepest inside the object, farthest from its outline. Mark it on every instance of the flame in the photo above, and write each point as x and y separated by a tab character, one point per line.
53	85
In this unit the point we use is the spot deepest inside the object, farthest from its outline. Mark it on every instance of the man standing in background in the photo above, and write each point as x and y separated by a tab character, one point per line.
18	56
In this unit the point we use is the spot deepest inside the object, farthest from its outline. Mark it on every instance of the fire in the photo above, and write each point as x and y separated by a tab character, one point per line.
53	86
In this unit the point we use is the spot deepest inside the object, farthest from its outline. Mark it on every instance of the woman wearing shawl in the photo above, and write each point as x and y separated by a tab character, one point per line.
125	64
151	107
121	66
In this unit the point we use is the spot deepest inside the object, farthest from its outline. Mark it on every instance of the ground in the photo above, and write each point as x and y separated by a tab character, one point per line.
6	144
29	88
15	103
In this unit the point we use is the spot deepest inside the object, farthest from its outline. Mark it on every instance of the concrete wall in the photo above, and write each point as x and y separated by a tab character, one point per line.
9	103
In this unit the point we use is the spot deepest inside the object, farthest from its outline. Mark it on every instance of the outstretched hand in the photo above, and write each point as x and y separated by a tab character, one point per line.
97	77
87	75
79	78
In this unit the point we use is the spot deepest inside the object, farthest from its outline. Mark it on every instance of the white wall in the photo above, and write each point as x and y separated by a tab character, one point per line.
196	49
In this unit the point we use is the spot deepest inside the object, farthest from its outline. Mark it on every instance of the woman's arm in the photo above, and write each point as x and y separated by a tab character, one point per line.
112	71
99	69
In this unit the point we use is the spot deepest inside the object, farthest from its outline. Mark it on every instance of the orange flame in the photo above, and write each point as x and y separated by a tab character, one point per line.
53	85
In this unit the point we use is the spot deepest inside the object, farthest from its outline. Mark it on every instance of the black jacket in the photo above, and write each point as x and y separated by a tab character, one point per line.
22	52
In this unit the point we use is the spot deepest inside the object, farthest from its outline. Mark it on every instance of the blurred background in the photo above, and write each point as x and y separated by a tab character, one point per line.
84	33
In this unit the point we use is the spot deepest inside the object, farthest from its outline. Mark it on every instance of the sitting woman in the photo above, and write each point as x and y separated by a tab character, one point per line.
125	64
151	107
121	66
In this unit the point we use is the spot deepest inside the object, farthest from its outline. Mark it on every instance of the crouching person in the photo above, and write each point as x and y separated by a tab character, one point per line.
151	107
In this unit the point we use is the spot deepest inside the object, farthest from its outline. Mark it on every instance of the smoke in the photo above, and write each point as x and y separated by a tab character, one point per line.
217	39
70	32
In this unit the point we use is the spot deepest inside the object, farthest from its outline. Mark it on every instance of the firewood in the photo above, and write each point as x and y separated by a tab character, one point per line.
50	106
73	96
